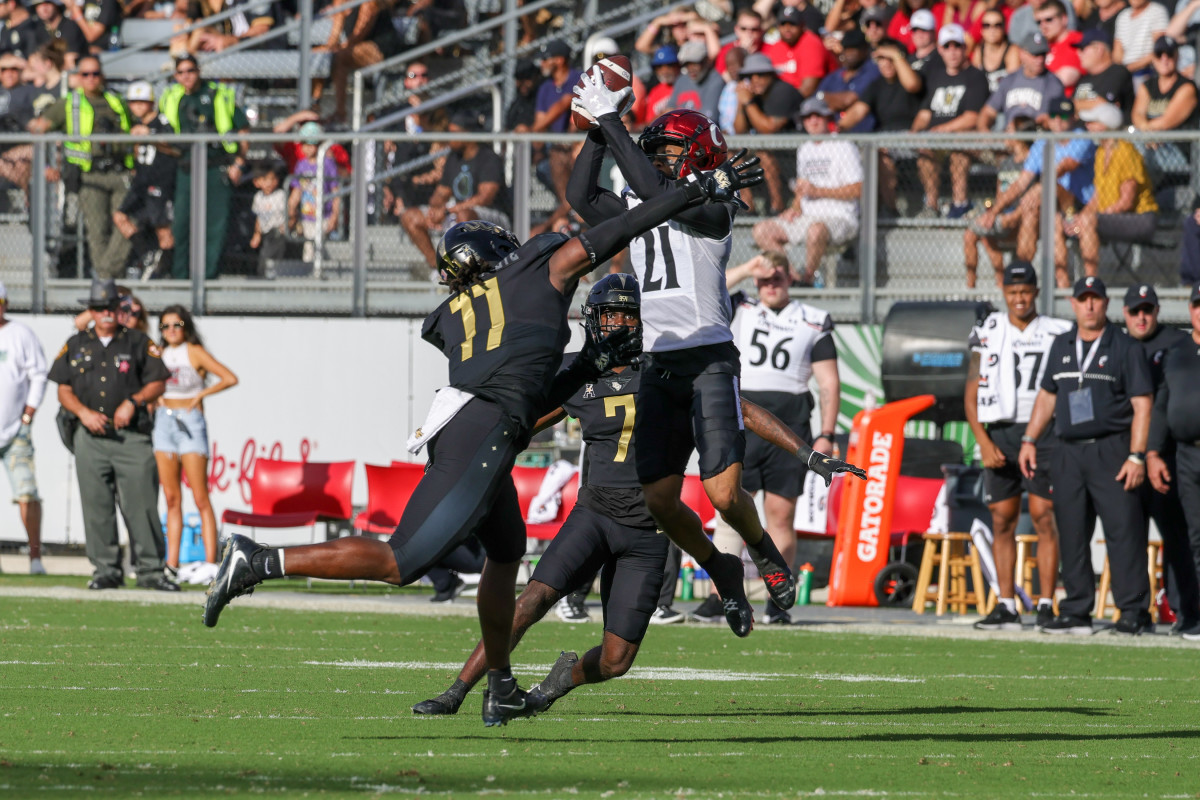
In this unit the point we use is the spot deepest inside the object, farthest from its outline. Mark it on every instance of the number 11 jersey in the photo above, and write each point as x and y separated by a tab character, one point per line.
505	335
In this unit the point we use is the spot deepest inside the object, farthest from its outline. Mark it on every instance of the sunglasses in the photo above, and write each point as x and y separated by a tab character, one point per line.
1142	311
415	75
993	24
95	74
166	326
10	69
102	309
186	71
1044	20
747	29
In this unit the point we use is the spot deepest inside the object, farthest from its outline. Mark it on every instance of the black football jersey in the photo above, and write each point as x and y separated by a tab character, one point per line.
606	411
505	335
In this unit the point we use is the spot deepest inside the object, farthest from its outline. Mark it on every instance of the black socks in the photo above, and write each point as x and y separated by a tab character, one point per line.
267	563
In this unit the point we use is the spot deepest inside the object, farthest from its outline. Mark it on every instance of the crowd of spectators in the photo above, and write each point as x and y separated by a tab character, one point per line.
917	66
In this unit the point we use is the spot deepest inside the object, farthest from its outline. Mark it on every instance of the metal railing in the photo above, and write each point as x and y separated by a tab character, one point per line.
889	259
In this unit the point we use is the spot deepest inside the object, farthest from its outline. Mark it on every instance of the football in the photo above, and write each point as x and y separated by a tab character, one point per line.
618	74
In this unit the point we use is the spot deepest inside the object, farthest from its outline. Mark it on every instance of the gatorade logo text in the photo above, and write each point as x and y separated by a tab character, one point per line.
877	470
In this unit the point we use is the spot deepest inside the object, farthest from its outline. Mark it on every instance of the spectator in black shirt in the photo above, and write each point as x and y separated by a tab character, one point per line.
100	21
1104	80
472	187
16	110
57	26
953	98
893	101
21	34
766	105
523	108
923	29
145	215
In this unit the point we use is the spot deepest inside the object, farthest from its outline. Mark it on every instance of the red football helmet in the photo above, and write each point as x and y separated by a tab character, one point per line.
702	141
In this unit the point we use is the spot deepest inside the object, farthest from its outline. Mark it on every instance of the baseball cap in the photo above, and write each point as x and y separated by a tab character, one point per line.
139	90
854	38
790	15
1094	35
600	47
664	55
1090	285
1020	272
1106	114
1195	298
467	120
1035	44
526	69
952	33
1062	107
555	47
875	14
1141	295
756	64
1165	45
922	19
815	105
310	132
693	52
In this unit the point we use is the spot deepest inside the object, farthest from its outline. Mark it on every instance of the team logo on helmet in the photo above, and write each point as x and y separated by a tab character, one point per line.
703	145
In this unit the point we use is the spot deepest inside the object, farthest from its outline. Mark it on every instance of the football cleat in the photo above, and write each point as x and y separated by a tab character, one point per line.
444	704
728	580
234	577
543	695
498	709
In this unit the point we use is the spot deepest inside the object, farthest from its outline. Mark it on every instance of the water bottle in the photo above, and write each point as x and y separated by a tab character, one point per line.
686	575
804	584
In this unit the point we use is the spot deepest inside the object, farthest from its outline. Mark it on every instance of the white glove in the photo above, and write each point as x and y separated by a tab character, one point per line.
597	99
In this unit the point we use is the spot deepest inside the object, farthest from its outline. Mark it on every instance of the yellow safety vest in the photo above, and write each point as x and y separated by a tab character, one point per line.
80	119
224	104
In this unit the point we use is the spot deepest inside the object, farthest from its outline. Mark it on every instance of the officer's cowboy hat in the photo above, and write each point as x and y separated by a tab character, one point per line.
104	294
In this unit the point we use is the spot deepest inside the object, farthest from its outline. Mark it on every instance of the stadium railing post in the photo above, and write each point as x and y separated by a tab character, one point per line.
304	87
196	261
1046	228
522	164
867	239
37	226
358	233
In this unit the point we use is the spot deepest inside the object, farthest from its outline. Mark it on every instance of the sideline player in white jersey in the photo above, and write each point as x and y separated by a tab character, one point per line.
1008	359
784	343
689	394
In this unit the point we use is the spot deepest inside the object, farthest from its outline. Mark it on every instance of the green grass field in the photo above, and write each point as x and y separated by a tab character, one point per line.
122	699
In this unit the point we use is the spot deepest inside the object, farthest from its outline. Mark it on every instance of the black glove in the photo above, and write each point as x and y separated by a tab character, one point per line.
722	184
620	348
826	466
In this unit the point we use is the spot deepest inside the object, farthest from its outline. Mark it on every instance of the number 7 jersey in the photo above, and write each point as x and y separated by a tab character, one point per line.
504	336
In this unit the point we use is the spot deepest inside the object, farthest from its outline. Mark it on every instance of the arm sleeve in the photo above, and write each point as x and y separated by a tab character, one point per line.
824	349
1137	372
36	370
591	202
612	236
647	182
153	368
59	371
1055	353
566	383
1158	420
430	332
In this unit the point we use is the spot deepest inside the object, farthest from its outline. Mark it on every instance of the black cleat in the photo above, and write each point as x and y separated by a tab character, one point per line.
543	695
445	704
728	580
234	577
781	585
499	709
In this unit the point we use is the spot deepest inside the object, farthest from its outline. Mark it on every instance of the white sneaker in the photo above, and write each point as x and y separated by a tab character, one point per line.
204	573
186	571
665	615
36	567
571	612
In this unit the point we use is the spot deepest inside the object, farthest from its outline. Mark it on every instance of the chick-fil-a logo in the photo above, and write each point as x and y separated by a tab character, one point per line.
222	472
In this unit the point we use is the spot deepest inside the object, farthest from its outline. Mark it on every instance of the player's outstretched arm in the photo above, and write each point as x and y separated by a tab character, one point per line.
765	424
592	202
591	248
620	348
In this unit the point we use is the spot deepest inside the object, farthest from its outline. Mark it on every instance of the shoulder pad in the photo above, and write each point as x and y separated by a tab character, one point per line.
816	317
533	249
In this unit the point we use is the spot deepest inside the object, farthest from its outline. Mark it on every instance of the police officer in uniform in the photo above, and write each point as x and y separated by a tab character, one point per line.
1097	388
503	331
1174	424
1183	593
106	377
1008	360
192	105
104	168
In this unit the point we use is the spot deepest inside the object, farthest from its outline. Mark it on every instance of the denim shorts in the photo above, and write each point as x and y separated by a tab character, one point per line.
180	431
18	463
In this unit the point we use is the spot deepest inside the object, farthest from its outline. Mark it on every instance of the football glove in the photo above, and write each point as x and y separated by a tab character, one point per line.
597	99
827	466
722	184
620	348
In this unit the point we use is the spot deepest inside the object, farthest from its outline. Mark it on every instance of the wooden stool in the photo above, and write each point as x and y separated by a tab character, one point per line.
1153	553
948	552
1026	563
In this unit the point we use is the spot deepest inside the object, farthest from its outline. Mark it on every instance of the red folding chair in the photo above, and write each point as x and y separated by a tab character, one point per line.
388	490
695	498
296	494
548	530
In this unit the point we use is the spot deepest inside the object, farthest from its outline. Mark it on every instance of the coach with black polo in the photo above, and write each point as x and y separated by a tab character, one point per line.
1097	387
1175	421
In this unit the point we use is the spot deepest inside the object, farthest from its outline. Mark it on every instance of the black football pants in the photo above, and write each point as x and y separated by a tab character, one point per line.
1179	568
1085	484
1186	477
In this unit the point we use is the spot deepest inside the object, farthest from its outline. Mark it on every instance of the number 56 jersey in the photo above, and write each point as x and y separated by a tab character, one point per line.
505	335
777	346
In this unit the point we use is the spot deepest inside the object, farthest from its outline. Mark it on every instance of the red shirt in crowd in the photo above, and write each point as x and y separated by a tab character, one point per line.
290	153
1063	54
807	58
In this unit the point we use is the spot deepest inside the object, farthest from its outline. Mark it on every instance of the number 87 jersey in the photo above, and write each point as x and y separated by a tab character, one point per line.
777	345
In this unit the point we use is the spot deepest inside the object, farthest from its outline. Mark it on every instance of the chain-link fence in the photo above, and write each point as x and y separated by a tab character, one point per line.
385	197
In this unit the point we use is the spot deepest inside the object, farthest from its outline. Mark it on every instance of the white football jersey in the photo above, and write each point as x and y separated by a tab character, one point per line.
1011	364
682	276
776	346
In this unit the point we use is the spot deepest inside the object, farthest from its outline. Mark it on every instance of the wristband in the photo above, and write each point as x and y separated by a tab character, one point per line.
828	436
1028	440
1137	458
27	419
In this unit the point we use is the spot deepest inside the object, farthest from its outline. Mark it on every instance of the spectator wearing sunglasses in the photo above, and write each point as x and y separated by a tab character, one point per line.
180	435
55	26
105	169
